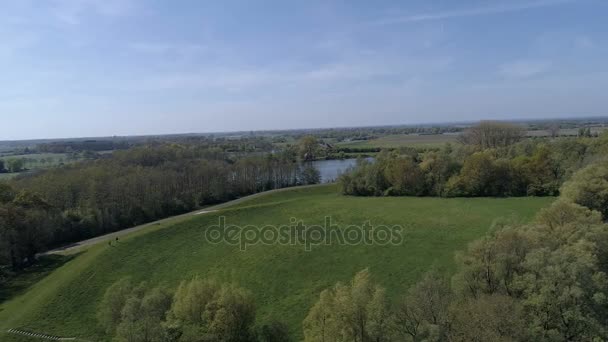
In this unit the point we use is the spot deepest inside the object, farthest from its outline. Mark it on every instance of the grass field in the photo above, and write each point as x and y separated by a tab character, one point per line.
403	140
565	132
285	280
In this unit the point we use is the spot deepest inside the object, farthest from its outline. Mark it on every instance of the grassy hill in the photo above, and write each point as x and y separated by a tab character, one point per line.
285	280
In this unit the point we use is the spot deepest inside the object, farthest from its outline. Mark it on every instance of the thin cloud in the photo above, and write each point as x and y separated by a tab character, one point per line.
71	12
471	12
524	69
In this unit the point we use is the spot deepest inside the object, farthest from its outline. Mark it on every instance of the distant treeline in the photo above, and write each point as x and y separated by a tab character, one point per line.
240	144
128	188
85	145
357	149
368	133
495	162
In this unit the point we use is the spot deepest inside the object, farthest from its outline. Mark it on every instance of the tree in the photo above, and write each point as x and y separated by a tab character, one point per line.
308	148
563	213
309	175
481	175
437	168
553	130
15	164
356	312
7	193
274	332
25	227
405	177
492	134
584	132
216	312
487	318
491	265
2	166
589	187
109	314
142	316
423	313
540	173
321	323
366	178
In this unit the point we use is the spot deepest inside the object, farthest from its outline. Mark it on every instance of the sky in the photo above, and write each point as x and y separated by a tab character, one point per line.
73	68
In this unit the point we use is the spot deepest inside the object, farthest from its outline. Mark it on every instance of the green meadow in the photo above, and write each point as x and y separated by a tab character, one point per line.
284	279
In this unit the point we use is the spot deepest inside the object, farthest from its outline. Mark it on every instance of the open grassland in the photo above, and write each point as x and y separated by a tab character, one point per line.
403	140
565	132
438	140
285	280
40	160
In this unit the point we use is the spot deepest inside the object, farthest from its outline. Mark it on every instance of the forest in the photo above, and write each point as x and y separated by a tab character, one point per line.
129	188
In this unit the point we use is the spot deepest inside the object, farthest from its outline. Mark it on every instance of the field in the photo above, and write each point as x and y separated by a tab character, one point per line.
285	279
438	140
565	132
403	140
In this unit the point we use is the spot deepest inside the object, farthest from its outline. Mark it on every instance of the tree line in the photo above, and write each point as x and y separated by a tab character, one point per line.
493	160
198	310
128	188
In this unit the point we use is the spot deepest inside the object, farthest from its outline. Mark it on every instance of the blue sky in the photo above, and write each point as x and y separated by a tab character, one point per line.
118	67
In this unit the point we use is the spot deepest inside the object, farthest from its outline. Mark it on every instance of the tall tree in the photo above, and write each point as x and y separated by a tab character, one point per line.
492	134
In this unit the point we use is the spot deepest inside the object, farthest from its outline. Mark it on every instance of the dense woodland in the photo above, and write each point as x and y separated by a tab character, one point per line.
493	160
129	188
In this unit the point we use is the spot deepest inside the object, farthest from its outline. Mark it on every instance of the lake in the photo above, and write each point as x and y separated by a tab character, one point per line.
331	169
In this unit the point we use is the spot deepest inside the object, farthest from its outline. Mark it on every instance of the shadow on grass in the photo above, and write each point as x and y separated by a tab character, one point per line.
20	282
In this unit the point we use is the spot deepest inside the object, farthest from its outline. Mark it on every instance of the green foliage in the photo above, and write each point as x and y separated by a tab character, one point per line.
589	187
15	164
139	185
26	223
356	312
198	311
553	269
487	318
212	311
308	148
109	314
134	314
423	313
527	168
143	315
274	332
492	134
309	175
7	193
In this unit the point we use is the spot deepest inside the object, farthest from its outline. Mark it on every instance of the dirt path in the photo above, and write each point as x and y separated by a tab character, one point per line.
112	236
